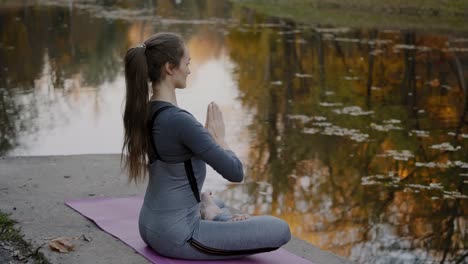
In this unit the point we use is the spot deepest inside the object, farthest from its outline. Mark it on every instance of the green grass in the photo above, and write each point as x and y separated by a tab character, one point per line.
426	15
7	230
11	235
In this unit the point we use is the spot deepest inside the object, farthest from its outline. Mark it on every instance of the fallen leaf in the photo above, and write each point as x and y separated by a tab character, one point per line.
61	244
67	244
55	245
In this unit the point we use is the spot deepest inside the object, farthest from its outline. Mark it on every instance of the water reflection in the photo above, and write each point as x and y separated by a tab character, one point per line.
361	137
357	137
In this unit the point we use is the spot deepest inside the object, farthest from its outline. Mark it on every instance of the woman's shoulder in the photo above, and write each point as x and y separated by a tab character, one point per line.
181	117
177	112
170	109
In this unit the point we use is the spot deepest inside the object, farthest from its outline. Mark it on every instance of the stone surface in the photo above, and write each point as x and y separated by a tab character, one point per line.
33	190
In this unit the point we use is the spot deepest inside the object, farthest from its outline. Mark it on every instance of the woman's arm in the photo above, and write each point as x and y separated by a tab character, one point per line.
198	139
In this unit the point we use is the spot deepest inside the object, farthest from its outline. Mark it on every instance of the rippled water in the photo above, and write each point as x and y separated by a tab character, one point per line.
357	137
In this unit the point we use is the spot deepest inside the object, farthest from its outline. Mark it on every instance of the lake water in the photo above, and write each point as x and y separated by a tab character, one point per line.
357	137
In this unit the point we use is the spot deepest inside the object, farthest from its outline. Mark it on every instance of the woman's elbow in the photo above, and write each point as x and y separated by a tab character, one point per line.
237	178
238	173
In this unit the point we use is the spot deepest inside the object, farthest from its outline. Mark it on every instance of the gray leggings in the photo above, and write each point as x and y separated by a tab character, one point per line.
223	239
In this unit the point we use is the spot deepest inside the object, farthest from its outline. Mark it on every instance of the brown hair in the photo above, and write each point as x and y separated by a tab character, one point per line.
142	64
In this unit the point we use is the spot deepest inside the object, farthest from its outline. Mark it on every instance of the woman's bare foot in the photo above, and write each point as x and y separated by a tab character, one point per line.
208	209
239	217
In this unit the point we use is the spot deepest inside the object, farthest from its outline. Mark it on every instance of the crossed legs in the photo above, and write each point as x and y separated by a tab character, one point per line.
214	209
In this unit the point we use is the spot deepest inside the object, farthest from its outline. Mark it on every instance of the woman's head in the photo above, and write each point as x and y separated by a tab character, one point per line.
167	58
161	58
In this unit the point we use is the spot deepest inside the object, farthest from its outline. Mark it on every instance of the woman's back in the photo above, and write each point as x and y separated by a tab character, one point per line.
168	187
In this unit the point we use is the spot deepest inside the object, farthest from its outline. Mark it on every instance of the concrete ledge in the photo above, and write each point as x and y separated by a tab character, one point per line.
33	189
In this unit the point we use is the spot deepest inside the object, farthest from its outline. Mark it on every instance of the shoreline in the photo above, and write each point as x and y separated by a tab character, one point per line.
429	16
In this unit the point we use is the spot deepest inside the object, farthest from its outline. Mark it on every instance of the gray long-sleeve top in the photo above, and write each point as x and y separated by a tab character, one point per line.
170	209
178	136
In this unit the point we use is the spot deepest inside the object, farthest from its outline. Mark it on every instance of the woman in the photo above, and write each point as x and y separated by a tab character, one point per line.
173	147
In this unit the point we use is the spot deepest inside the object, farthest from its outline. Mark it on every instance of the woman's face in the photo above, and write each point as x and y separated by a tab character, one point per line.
182	71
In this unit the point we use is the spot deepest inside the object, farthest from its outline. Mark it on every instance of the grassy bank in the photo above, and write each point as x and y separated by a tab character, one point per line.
13	241
425	15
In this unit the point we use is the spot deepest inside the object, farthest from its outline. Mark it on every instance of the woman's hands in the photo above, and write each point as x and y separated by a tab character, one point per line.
215	124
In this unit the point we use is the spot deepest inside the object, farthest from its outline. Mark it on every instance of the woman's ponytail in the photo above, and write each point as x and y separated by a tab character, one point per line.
136	114
143	64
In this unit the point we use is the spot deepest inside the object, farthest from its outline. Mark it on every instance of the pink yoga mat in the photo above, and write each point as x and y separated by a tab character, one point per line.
119	217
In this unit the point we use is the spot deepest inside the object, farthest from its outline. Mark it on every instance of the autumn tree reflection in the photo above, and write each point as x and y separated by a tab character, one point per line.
354	136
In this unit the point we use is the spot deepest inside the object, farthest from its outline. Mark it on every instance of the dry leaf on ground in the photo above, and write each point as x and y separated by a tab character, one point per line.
61	244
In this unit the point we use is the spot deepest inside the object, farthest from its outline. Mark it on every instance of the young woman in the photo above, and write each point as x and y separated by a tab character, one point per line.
170	145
